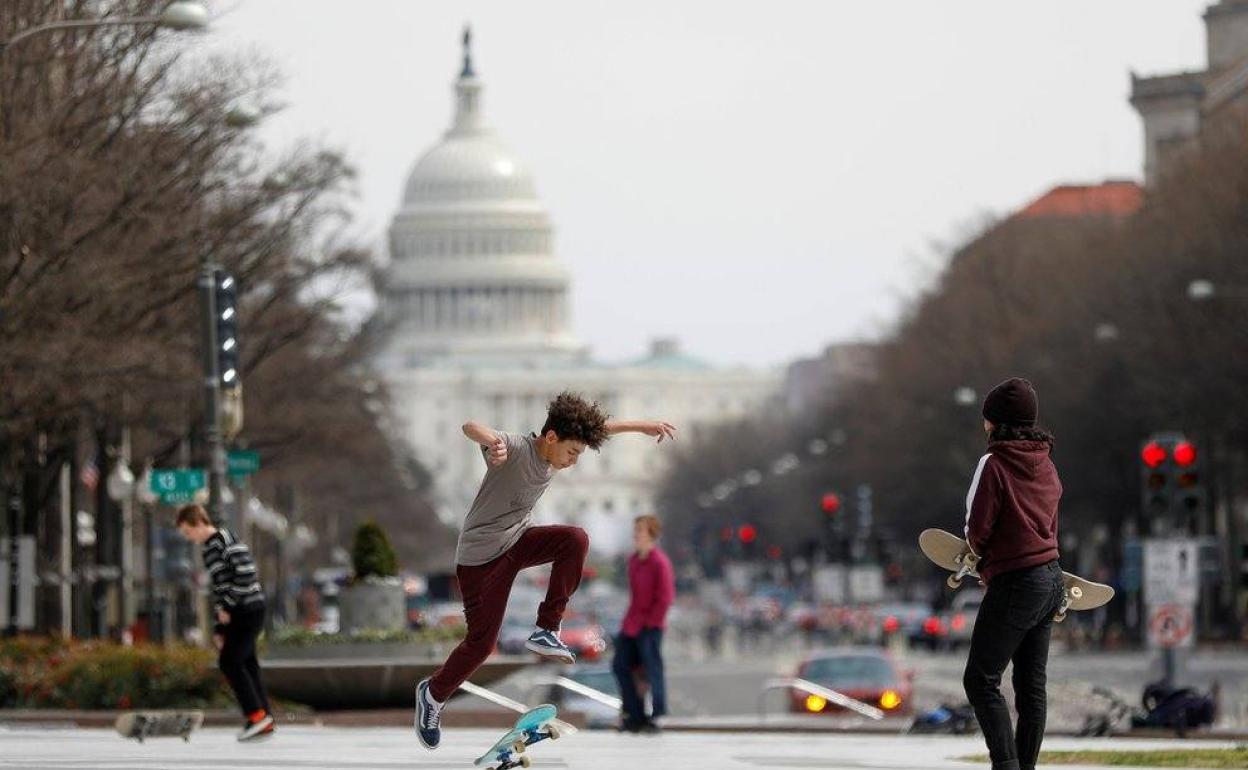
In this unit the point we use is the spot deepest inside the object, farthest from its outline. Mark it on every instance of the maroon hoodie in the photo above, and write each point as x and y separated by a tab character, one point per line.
1011	509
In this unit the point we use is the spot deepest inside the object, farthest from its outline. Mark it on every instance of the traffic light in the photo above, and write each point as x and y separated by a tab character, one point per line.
1156	491
747	534
1189	487
830	503
229	369
1172	483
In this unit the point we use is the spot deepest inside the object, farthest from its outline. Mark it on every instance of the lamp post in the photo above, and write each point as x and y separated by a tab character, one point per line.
178	16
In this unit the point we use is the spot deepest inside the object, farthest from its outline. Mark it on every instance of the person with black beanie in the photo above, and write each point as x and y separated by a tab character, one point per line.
1011	525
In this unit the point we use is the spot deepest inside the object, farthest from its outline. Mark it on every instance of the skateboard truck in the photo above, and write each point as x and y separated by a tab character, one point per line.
1069	595
967	564
516	756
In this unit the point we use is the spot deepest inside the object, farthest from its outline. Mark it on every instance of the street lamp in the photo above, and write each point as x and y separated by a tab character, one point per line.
964	396
1200	290
1106	332
178	16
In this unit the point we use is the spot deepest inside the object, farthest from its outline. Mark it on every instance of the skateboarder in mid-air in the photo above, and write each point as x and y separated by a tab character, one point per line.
498	540
1011	525
239	610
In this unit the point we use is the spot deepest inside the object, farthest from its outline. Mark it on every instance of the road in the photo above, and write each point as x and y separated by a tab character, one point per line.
731	687
310	748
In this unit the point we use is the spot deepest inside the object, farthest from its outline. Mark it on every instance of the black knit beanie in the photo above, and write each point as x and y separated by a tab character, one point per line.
1013	402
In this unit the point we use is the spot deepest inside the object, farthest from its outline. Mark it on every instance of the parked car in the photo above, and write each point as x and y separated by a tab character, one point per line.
959	620
903	620
865	674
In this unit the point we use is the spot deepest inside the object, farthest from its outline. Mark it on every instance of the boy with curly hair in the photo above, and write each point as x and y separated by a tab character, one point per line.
498	540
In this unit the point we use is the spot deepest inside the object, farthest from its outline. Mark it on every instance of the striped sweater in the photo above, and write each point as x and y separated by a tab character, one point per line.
234	580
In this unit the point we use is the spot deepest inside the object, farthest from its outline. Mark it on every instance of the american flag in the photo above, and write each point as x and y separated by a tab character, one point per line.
90	475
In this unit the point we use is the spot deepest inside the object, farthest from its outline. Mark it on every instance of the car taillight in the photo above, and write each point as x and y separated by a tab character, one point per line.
891	624
958	622
890	700
933	627
815	704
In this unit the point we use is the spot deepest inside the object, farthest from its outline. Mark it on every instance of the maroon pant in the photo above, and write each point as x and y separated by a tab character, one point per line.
485	589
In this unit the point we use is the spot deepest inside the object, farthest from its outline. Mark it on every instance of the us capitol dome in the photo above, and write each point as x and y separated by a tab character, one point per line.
473	273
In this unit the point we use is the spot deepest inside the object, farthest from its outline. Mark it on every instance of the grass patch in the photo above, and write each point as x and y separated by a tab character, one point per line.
1236	757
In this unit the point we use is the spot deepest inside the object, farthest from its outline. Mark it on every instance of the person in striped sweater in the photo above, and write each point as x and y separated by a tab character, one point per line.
238	608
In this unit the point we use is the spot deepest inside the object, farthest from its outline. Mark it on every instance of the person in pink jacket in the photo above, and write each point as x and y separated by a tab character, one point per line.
652	586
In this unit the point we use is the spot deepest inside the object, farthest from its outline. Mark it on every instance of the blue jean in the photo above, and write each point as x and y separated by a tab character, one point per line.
643	650
1013	624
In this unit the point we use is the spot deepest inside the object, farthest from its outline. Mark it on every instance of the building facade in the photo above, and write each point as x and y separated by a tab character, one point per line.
475	304
1174	107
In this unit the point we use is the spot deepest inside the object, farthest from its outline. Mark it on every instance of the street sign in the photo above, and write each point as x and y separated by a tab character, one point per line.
242	462
866	583
1170	626
829	584
1171	571
177	486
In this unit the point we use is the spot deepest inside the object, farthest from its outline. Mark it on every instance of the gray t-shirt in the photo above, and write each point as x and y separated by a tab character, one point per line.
503	508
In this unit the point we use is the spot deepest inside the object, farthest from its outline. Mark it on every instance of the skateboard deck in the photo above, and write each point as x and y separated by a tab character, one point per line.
951	552
532	726
141	725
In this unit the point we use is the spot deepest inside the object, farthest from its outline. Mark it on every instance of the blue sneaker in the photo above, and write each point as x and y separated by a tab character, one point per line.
428	717
547	644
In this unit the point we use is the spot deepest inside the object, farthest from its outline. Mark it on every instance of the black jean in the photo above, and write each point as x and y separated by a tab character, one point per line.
644	650
1013	624
238	658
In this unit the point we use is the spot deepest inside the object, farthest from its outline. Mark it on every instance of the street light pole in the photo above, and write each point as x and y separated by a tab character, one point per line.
179	16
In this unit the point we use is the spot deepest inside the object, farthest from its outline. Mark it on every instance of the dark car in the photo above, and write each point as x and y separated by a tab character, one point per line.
864	674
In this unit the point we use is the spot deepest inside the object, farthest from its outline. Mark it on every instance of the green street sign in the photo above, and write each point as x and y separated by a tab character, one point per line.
177	486
242	462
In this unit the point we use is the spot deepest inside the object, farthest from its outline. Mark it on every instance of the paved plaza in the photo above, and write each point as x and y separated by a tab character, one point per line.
312	748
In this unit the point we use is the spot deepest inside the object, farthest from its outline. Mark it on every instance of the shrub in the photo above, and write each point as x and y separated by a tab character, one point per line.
371	553
96	675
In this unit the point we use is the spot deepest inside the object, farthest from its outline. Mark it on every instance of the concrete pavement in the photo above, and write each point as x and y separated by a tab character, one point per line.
311	748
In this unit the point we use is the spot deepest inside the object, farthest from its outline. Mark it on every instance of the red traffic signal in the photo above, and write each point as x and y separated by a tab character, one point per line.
1184	454
830	503
747	534
1154	454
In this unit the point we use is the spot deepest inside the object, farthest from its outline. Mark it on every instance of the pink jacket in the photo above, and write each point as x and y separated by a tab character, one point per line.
652	585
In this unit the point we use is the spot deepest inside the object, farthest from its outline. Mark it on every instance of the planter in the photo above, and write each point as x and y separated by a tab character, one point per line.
360	651
379	605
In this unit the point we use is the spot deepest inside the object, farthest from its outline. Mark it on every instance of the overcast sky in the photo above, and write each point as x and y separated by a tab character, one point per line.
757	179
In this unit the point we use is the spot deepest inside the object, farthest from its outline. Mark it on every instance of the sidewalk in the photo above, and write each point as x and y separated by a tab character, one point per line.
328	748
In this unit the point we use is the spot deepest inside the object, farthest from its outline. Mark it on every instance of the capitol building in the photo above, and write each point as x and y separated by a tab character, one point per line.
476	307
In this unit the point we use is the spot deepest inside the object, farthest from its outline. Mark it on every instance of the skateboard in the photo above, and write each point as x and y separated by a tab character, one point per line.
948	550
158	724
533	725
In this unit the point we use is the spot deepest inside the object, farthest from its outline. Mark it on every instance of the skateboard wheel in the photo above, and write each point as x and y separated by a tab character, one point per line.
953	581
553	732
1076	592
526	761
519	747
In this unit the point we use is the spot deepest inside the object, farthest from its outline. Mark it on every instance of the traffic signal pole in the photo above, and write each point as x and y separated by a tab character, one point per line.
212	392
